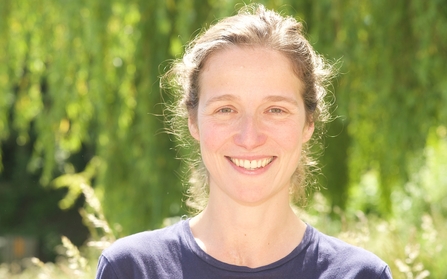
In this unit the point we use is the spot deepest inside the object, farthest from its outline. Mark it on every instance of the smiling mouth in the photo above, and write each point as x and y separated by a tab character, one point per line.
251	164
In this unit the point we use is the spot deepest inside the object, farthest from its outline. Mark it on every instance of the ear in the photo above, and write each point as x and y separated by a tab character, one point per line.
193	129
308	131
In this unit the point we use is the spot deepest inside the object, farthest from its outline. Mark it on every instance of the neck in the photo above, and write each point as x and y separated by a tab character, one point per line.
250	235
256	218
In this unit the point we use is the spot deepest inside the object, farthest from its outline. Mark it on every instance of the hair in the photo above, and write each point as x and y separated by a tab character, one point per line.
252	26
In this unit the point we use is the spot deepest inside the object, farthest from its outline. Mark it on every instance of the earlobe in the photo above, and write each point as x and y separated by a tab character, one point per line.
308	131
193	130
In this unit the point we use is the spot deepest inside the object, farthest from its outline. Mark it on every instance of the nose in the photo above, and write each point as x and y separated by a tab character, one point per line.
250	134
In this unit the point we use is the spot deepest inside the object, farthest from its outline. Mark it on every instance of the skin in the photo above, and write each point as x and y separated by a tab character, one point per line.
251	125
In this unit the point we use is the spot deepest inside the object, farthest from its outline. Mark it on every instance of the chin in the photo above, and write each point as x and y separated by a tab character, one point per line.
255	199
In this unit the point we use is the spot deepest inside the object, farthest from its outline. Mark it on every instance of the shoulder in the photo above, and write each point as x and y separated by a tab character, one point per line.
144	243
338	257
142	254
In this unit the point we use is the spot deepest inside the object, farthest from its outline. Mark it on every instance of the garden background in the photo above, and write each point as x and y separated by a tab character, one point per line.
80	106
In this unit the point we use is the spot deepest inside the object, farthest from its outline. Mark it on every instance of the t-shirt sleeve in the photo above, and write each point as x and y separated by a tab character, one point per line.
386	274
105	269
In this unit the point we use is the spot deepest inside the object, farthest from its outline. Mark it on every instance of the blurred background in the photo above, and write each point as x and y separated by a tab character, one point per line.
80	103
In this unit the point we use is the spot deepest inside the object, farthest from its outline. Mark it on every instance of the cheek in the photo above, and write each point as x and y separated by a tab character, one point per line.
292	143
212	137
287	135
212	149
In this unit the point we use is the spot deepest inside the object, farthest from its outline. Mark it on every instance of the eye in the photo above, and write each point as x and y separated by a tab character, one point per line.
275	111
225	110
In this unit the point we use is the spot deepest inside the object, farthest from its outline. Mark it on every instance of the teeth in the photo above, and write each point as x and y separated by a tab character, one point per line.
236	161
252	165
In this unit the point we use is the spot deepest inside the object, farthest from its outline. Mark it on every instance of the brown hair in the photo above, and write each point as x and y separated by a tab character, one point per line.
253	26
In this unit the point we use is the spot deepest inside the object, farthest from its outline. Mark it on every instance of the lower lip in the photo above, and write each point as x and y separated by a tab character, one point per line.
251	172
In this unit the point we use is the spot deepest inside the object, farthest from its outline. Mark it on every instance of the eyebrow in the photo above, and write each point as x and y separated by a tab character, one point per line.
226	97
273	98
277	98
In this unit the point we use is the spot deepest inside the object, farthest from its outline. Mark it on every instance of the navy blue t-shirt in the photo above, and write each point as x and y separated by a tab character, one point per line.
172	252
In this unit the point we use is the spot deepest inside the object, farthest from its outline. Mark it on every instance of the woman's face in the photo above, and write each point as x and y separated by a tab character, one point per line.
250	124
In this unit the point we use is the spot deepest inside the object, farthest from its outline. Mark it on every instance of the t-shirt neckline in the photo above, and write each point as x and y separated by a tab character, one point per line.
195	248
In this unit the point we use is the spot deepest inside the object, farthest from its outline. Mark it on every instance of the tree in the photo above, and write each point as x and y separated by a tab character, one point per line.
79	81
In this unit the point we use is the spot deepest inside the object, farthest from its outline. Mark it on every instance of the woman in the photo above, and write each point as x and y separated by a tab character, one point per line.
252	92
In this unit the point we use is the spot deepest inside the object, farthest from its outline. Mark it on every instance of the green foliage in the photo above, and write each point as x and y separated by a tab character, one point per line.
82	76
80	79
73	262
411	250
390	89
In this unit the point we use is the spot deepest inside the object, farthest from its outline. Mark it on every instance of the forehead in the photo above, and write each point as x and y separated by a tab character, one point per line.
249	67
240	56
